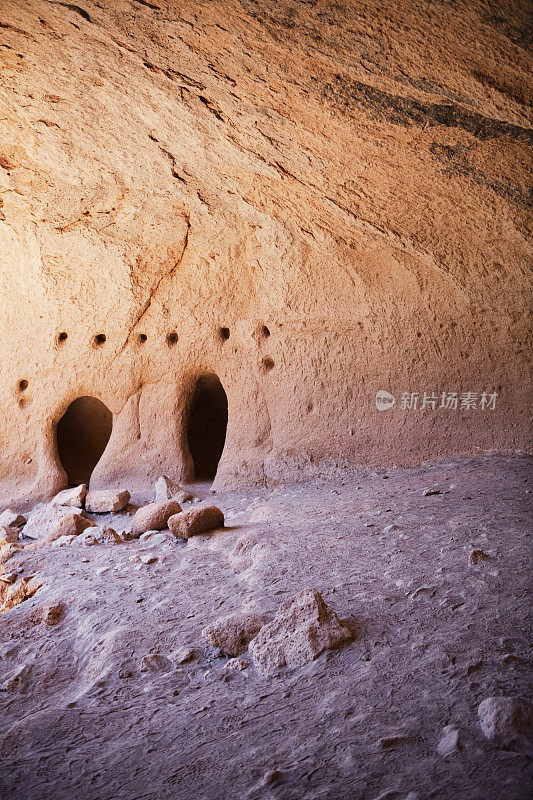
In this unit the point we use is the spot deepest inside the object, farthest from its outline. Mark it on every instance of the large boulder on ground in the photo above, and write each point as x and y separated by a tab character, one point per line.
196	521
106	502
167	489
10	519
303	627
505	718
44	518
153	517
233	633
71	497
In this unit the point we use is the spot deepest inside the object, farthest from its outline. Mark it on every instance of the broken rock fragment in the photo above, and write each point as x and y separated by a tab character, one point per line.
155	662
110	536
44	519
476	557
303	627
70	525
449	741
10	519
153	517
233	633
8	535
71	497
505	718
196	521
106	502
167	489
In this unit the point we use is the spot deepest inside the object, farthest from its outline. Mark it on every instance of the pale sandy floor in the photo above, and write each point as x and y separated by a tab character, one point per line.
434	638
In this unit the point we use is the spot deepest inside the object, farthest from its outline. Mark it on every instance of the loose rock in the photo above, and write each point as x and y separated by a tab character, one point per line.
71	497
476	557
449	742
10	519
505	718
155	663
8	535
154	516
110	536
71	525
196	521
166	489
44	519
233	633
303	627
105	502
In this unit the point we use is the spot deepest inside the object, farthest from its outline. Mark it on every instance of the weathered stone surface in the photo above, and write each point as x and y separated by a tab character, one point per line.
166	489
233	633
155	662
196	521
63	541
71	525
105	502
45	518
476	557
505	718
8	535
88	538
10	519
304	626
154	516
109	535
71	497
411	233
449	741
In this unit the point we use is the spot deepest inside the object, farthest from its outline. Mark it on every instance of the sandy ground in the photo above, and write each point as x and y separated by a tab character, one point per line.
434	637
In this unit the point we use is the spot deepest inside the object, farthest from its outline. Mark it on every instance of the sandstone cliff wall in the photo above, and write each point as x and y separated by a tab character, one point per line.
311	200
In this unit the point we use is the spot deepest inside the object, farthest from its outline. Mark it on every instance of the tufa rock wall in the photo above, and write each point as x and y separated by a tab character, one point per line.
312	201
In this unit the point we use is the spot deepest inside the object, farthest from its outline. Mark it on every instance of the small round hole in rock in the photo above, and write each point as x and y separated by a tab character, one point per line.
265	333
62	337
142	338
172	338
267	364
100	339
224	333
23	385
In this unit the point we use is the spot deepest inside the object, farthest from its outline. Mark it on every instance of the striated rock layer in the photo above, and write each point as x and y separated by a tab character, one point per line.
311	201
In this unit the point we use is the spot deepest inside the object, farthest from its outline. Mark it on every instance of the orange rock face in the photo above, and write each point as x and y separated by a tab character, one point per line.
225	226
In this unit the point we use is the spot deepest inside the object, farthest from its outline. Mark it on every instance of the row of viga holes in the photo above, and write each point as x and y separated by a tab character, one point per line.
223	333
100	339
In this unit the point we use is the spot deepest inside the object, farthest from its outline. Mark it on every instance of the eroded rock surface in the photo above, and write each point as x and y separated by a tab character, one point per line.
303	627
233	633
313	201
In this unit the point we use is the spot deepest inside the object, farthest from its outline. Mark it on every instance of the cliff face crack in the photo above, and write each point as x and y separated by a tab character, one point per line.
153	293
174	75
347	94
211	107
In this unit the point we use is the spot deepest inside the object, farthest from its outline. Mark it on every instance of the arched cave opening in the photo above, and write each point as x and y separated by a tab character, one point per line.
82	435
208	420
